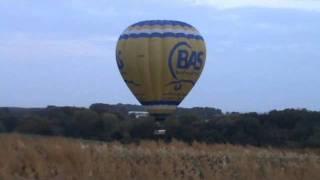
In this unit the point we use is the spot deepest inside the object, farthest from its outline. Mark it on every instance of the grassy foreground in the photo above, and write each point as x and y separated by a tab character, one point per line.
29	157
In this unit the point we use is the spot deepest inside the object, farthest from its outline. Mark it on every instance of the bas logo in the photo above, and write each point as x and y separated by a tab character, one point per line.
186	61
183	60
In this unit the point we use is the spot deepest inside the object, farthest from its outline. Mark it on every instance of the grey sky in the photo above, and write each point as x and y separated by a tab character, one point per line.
262	55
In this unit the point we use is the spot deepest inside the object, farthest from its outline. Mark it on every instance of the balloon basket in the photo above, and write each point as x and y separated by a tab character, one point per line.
159	130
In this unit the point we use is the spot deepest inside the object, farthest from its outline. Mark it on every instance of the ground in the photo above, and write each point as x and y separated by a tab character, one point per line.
56	158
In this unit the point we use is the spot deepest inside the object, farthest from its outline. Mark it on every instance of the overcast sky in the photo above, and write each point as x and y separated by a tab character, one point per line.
261	54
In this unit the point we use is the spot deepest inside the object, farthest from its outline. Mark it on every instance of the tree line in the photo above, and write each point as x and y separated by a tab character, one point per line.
289	128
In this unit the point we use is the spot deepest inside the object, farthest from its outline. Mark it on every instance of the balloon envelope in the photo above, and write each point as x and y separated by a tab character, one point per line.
160	61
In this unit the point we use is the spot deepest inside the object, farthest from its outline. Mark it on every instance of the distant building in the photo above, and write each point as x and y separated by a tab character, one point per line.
138	114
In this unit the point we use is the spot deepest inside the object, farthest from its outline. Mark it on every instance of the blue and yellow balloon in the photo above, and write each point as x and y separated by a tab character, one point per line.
160	61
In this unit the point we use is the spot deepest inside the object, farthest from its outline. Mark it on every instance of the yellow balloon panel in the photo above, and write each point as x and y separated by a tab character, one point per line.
160	65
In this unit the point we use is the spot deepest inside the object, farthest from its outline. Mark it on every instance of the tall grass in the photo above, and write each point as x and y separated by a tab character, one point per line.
28	157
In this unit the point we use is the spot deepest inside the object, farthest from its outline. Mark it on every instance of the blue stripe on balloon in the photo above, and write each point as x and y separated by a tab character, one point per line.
148	103
161	35
161	23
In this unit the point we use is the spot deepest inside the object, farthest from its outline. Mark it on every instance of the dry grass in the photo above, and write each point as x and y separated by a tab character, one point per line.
29	157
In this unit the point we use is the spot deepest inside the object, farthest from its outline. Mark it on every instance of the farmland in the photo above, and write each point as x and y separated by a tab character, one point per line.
56	158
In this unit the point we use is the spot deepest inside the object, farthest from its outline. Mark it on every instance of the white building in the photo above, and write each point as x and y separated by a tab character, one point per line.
138	114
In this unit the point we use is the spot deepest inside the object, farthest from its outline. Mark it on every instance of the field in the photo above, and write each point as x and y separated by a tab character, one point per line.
54	158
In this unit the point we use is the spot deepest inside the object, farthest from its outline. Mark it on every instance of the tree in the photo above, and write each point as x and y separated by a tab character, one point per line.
314	140
107	125
34	125
84	124
2	128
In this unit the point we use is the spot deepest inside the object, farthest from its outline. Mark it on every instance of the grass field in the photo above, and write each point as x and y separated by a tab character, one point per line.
33	157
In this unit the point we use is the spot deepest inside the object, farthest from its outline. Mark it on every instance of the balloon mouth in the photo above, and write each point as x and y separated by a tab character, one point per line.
160	110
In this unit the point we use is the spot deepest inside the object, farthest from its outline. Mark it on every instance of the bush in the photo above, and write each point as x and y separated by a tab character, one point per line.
34	125
2	128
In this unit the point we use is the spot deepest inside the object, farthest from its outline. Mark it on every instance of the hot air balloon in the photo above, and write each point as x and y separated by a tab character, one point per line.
160	61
